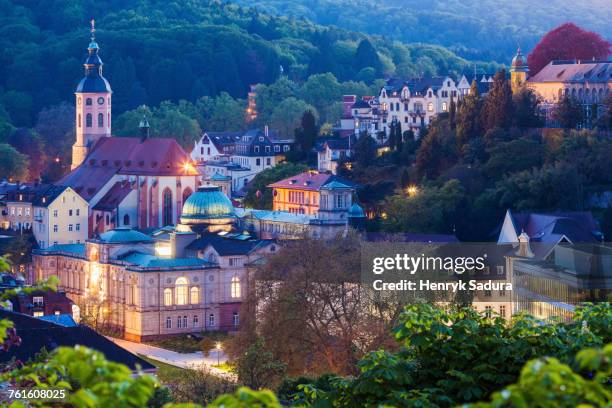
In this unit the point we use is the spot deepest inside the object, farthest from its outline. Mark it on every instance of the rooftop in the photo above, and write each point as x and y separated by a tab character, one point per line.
122	235
313	181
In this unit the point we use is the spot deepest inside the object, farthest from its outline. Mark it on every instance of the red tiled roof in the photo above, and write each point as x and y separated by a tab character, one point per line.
310	181
114	196
129	156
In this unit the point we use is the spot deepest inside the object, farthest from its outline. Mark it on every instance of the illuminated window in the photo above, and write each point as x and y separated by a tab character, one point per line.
444	106
167	297
430	107
181	291
235	287
195	295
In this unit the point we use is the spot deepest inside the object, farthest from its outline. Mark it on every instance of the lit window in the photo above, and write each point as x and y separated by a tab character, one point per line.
444	106
430	107
181	291
167	297
235	287
195	295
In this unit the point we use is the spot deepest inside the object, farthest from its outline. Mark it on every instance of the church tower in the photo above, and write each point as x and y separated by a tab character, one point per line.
518	71
93	104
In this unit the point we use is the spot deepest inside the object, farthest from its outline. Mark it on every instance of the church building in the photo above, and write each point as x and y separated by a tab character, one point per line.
134	182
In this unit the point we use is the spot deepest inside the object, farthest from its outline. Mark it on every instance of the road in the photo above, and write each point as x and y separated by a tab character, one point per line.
183	360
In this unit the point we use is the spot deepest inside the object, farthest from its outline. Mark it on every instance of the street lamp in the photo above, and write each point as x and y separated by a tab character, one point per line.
218	347
412	190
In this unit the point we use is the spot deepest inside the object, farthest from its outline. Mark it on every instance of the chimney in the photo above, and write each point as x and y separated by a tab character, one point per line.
266	130
524	249
144	129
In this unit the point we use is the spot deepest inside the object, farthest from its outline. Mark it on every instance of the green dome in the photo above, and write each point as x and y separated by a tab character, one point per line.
356	211
208	206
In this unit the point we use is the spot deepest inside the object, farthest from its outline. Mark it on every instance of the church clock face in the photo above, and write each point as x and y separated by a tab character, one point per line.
100	100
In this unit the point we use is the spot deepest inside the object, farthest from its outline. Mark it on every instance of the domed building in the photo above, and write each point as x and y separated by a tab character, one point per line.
208	208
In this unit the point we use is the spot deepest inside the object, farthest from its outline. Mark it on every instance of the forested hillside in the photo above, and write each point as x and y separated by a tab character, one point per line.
475	29
170	50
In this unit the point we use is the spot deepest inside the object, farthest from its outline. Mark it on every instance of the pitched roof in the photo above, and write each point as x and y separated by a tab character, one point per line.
122	235
311	181
551	227
36	333
569	71
46	196
228	244
151	261
117	193
221	139
127	155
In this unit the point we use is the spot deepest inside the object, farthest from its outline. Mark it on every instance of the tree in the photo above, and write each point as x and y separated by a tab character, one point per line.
498	109
258	194
468	116
567	42
438	150
569	112
399	136
287	116
513	156
430	210
365	150
366	56
605	119
257	367
306	135
13	165
452	113
526	109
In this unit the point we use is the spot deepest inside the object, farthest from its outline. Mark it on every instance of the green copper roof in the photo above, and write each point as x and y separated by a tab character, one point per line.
335	184
219	177
121	235
356	211
208	203
150	261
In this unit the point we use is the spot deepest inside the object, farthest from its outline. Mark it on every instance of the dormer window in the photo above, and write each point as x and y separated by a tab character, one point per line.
261	139
256	149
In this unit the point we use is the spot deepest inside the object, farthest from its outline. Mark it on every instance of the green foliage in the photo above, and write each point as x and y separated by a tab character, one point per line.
90	379
365	150
569	112
430	210
498	109
258	194
548	383
257	367
457	356
287	116
247	398
13	165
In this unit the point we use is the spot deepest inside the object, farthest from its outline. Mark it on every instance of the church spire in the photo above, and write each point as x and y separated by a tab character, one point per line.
93	63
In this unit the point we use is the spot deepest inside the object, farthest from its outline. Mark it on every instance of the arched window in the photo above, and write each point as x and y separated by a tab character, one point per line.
168	322
235	287
195	295
186	193
126	219
100	120
167	297
181	290
88	120
167	207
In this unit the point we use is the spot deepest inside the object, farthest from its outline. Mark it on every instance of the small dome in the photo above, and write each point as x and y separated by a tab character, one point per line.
208	205
518	62
356	211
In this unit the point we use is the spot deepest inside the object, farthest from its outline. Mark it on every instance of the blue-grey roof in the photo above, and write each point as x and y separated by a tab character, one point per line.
123	235
93	84
76	249
227	244
62	319
279	216
219	177
151	261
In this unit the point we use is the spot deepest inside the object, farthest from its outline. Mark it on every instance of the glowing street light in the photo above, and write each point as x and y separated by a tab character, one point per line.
412	190
187	167
218	348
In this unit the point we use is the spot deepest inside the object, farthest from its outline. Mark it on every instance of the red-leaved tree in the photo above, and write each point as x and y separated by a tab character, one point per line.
567	42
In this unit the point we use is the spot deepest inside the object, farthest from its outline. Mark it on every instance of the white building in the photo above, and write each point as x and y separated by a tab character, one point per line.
60	217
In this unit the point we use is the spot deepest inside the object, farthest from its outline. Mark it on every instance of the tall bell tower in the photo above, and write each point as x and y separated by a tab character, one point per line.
93	104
